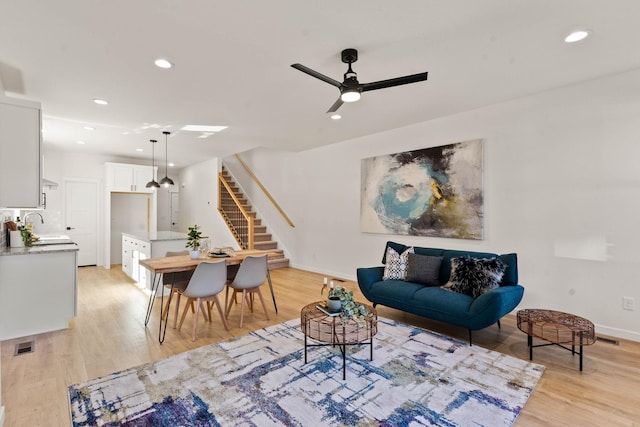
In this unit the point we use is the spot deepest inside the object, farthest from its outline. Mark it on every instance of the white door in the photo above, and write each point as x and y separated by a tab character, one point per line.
81	218
175	211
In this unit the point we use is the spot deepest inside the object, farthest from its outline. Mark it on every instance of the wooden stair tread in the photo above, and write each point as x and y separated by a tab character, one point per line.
262	238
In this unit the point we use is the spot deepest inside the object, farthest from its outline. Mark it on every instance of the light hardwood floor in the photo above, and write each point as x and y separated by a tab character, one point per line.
109	335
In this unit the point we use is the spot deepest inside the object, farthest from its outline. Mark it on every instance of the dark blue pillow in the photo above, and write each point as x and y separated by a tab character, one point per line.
511	273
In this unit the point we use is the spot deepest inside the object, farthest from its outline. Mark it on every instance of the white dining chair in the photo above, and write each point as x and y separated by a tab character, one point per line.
208	280
250	276
176	282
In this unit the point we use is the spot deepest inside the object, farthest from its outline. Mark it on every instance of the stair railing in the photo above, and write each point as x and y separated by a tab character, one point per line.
265	191
237	218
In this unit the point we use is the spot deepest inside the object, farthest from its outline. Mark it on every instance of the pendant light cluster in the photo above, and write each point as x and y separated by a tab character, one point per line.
166	181
153	183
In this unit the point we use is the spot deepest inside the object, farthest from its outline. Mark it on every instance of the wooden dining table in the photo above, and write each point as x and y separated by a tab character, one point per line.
175	264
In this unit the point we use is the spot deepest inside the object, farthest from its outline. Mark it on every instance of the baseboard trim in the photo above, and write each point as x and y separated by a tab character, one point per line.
618	333
324	272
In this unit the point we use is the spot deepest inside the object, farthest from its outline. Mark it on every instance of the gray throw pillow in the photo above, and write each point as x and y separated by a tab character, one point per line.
424	269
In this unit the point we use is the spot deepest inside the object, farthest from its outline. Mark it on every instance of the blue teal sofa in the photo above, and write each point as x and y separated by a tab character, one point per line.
441	304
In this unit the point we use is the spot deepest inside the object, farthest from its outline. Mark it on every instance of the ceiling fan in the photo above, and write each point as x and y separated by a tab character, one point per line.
351	88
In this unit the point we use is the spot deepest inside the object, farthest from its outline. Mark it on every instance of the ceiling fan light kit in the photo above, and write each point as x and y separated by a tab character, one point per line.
351	88
350	96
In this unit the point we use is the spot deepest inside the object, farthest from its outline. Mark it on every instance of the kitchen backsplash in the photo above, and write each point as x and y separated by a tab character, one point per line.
52	223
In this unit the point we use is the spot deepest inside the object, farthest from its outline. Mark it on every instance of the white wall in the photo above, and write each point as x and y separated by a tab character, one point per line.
199	202
562	189
129	215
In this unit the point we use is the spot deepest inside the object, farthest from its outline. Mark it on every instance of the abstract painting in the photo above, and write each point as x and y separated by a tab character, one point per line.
435	192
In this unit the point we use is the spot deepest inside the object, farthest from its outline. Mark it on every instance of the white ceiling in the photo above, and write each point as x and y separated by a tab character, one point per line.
232	65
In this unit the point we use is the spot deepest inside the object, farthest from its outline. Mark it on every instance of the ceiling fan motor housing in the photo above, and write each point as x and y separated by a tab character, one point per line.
349	56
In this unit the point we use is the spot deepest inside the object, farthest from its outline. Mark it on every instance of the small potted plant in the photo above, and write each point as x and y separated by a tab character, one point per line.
193	241
341	299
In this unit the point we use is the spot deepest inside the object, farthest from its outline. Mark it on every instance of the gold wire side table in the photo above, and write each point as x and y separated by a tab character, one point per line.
329	330
557	328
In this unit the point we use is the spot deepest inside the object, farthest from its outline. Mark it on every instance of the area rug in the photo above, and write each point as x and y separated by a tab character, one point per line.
417	378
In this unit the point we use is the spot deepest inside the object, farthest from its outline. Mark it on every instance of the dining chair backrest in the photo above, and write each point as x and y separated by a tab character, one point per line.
252	272
208	279
178	277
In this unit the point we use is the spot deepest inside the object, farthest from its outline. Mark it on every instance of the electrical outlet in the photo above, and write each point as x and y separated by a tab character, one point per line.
628	303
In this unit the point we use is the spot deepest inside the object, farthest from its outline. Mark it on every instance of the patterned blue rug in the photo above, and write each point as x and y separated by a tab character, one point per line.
417	377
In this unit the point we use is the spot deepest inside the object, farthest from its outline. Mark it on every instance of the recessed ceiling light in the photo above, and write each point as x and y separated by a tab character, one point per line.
171	165
89	128
336	116
101	102
80	142
163	63
576	36
139	149
203	128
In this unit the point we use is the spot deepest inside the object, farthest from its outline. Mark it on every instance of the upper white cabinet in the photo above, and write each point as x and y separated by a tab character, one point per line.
20	170
124	178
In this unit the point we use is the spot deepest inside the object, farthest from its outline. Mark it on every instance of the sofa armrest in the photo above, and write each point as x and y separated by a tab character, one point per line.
489	307
367	277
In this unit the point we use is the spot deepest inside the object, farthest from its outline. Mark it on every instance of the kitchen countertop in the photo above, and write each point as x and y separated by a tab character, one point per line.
157	236
39	249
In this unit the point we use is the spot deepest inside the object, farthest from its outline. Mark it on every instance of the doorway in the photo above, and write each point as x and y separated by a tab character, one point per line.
81	218
175	211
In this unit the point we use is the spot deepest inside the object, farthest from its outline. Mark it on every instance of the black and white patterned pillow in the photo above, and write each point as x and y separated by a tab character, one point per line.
396	266
475	276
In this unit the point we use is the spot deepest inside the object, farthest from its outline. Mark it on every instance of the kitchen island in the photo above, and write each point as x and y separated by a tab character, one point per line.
38	289
140	246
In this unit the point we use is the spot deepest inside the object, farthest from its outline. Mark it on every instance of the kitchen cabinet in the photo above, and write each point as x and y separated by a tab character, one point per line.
125	178
38	290
20	162
136	247
133	250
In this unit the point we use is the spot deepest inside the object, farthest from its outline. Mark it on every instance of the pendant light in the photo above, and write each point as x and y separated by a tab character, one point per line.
153	183
166	181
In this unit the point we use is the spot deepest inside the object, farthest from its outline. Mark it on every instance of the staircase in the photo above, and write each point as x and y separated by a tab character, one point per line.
262	239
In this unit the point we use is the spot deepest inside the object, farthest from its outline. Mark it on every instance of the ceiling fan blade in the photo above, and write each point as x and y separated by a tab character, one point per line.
317	75
414	78
336	105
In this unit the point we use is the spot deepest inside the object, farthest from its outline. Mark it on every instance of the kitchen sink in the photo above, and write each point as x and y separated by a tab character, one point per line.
53	239
53	236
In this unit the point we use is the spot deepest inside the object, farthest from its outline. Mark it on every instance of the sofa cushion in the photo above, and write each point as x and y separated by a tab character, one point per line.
397	291
511	273
396	266
473	276
399	247
424	269
443	303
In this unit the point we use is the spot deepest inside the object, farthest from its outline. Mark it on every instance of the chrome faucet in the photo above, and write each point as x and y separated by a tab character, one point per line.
24	219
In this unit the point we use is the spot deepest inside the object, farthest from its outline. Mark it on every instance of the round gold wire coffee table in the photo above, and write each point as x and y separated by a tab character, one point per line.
557	328
329	330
